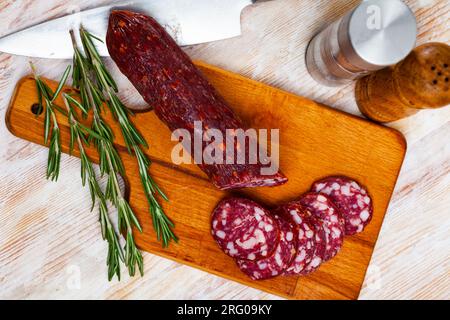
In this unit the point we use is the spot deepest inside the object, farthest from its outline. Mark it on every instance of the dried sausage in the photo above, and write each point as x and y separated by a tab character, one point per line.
181	96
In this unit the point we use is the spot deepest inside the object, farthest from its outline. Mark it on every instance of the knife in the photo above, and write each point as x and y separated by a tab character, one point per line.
188	21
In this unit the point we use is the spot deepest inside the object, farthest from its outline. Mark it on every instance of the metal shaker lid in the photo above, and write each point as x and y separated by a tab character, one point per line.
378	33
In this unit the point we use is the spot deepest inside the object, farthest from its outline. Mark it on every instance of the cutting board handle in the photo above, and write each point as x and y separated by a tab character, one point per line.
23	120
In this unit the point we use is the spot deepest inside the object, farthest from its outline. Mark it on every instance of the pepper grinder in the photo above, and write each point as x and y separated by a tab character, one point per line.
372	36
421	81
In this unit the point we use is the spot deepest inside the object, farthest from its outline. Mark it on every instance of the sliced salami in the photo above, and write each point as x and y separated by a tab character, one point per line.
244	229
282	257
351	198
306	245
330	219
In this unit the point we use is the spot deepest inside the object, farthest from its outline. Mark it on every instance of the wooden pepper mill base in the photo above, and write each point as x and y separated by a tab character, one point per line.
421	81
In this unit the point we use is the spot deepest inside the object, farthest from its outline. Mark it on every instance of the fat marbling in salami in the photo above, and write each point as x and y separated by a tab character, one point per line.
351	198
244	230
277	263
306	240
330	219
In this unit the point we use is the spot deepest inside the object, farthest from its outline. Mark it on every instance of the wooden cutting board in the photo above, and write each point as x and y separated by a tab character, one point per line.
315	141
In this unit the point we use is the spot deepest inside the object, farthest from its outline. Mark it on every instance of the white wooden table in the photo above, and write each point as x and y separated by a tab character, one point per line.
50	244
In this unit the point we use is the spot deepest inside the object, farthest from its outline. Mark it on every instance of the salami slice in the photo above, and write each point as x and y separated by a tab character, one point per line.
183	99
320	247
306	241
244	230
329	216
282	257
351	198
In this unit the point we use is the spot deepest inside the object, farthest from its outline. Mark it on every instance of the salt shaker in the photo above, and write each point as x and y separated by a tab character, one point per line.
372	36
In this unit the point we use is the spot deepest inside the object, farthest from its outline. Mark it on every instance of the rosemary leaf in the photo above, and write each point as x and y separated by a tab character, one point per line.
51	127
54	158
133	139
62	82
40	102
110	163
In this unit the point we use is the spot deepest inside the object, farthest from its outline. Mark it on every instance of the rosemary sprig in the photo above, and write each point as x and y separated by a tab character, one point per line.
133	139
78	134
110	162
51	127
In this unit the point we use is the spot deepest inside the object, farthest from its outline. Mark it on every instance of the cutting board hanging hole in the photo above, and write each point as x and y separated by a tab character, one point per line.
36	109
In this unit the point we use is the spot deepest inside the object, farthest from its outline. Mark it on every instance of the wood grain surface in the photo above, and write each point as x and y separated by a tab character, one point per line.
315	142
52	249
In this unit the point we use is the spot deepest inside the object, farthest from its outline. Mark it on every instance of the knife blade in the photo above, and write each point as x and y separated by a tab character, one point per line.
188	21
